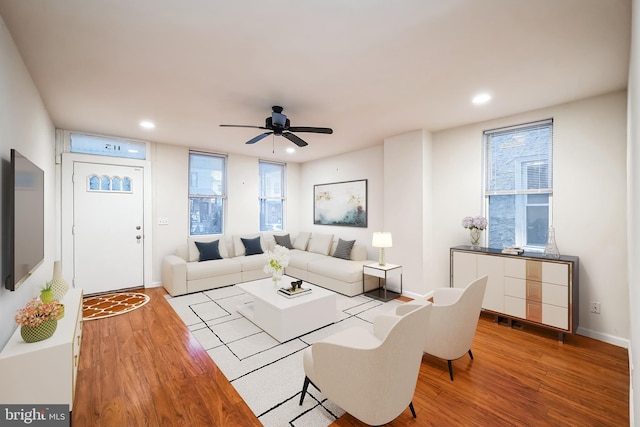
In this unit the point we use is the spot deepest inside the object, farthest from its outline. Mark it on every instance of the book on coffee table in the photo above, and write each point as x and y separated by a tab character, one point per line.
293	293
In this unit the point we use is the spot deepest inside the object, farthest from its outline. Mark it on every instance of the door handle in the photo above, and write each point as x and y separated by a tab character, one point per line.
138	237
138	227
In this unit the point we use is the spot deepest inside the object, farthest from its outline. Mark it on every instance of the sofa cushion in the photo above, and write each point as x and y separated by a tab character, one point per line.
207	269
343	250
238	246
302	240
338	269
194	253
252	246
300	259
250	263
283	240
320	243
208	250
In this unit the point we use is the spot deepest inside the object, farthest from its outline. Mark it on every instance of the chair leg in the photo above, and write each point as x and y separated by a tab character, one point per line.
413	411
470	354
450	369
304	388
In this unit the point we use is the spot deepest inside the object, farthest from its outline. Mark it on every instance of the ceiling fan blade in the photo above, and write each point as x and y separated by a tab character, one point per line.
310	129
243	126
291	137
258	138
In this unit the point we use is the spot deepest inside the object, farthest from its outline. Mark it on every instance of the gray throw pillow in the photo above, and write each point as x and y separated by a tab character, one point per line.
343	249
252	246
283	240
208	250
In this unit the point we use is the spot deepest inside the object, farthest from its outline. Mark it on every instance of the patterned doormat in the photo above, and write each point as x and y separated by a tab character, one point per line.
101	306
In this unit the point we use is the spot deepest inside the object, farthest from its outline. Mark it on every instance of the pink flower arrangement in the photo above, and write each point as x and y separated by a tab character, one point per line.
36	311
478	222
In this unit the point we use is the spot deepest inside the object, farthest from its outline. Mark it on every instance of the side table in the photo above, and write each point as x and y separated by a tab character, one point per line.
381	272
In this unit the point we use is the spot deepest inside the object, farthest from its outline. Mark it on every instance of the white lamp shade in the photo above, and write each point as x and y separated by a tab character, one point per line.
381	239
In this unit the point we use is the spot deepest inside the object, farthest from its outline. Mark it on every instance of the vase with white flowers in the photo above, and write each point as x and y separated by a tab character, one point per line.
475	225
277	260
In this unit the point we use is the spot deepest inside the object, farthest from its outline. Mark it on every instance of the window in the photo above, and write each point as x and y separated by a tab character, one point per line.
272	196
519	184
105	146
207	191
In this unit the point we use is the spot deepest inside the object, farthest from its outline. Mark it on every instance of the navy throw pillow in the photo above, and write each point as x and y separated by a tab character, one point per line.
252	246
209	250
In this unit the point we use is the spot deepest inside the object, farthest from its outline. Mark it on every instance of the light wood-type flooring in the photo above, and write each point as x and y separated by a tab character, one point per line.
144	368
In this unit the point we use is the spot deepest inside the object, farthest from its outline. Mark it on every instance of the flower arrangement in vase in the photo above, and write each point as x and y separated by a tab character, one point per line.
38	320
277	259
475	226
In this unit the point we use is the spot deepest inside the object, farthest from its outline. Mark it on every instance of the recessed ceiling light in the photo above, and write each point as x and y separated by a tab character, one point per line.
147	124
291	150
481	98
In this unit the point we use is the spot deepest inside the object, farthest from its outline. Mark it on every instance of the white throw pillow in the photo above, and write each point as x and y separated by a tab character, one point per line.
320	243
194	253
302	240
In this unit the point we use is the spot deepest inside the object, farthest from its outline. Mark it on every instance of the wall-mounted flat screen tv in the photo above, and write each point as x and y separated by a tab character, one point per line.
26	222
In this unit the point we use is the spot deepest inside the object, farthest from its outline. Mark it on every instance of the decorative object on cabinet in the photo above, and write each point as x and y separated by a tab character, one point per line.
38	320
454	319
350	366
381	239
52	362
58	284
551	249
527	288
341	203
46	293
475	226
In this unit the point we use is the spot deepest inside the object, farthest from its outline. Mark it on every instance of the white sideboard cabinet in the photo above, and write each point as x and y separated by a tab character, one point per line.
44	372
530	287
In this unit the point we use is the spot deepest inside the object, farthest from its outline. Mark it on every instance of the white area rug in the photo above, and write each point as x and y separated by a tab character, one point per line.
267	374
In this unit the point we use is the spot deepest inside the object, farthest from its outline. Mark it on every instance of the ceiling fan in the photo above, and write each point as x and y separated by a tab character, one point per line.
278	124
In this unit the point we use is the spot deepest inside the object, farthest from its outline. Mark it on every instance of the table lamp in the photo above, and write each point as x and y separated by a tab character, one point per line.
381	239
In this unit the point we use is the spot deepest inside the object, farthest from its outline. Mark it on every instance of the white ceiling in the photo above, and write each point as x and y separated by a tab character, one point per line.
368	69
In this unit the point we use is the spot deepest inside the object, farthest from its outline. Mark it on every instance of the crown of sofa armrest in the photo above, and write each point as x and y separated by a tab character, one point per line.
174	275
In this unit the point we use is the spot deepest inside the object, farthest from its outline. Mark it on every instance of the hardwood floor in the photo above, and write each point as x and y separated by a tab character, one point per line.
144	368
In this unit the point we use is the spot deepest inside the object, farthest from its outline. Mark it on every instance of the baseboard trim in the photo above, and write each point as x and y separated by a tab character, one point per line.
600	336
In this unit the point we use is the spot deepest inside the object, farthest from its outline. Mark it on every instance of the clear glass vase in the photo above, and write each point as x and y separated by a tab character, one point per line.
474	236
551	248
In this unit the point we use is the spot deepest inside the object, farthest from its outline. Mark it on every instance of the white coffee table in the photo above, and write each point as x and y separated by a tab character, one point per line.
287	318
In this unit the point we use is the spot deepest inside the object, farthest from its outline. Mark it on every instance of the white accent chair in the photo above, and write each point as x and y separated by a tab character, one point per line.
454	319
372	376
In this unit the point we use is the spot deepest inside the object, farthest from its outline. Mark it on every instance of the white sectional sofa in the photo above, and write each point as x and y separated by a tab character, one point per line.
311	259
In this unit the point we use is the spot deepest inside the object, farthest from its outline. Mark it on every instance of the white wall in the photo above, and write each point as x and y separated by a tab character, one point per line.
633	192
25	126
362	164
589	204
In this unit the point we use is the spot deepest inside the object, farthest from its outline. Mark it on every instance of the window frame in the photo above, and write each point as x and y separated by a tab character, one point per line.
264	197
219	198
521	190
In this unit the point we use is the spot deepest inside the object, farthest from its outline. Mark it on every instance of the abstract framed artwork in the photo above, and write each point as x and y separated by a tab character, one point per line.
341	203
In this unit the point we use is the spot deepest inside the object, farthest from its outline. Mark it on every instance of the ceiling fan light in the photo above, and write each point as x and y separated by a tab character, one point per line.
278	119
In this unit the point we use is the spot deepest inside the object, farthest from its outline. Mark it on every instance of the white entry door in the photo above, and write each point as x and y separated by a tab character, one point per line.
108	229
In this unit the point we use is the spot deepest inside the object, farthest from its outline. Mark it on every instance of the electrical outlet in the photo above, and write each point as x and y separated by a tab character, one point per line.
595	307
163	221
